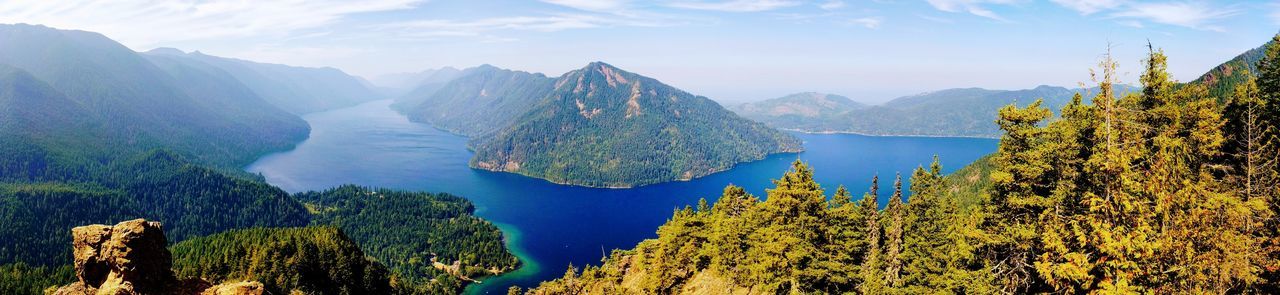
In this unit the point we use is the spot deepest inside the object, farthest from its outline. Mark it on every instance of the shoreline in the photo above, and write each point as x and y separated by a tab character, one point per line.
713	172
886	135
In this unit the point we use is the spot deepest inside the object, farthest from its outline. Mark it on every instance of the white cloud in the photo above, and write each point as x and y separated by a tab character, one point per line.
1087	7
868	22
1275	13
831	5
733	5
1132	23
1195	15
975	7
142	24
592	5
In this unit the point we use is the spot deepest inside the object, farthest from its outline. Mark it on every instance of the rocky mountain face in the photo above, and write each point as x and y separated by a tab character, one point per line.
605	127
130	258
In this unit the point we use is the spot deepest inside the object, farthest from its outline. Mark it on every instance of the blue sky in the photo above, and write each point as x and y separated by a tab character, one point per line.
732	51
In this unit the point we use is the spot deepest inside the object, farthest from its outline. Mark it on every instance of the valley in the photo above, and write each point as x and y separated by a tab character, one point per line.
548	225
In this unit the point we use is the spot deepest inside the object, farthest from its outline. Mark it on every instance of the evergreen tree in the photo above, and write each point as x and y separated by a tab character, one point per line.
1268	163
893	236
790	233
1021	193
871	271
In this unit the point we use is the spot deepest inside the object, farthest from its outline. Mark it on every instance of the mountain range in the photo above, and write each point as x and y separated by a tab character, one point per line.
298	90
110	101
965	112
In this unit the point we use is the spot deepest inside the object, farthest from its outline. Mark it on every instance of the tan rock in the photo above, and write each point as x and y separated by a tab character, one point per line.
241	288
131	258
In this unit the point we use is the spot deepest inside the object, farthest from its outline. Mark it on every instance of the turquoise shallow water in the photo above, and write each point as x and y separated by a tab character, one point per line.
548	225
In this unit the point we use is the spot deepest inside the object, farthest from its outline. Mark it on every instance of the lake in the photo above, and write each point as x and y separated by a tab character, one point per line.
550	226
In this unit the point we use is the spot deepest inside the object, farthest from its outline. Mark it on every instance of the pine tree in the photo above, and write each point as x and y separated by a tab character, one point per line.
845	247
893	236
1022	185
790	233
1268	84
871	270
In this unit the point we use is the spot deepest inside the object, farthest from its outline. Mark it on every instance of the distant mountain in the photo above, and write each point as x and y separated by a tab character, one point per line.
953	112
298	90
799	108
602	126
408	98
479	101
110	101
401	83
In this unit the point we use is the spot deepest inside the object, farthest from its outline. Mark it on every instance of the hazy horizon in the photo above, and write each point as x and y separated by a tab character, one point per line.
730	51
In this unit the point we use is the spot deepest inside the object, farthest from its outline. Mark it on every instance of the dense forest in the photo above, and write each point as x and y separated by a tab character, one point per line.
406	231
191	200
312	260
410	232
602	126
1165	190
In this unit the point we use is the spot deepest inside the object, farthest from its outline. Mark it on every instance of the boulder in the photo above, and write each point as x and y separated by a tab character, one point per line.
132	258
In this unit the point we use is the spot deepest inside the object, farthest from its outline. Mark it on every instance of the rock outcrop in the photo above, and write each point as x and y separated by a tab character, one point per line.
131	258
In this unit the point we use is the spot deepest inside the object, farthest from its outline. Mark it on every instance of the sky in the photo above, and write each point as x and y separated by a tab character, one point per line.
728	50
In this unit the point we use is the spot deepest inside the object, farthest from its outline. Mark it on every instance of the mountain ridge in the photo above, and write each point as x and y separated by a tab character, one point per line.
604	127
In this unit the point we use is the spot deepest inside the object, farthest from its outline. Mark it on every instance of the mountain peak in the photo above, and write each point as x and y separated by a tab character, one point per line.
166	51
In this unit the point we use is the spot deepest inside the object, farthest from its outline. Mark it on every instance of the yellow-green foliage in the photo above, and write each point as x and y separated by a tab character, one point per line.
798	241
1163	191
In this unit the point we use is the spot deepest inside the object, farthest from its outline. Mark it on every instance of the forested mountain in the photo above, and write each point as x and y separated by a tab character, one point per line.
478	101
1222	80
307	260
129	103
601	126
950	112
431	242
298	90
1163	191
92	132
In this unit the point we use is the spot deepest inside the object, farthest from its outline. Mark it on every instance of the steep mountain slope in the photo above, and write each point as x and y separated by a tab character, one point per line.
134	105
951	112
602	126
35	117
1221	80
479	101
298	90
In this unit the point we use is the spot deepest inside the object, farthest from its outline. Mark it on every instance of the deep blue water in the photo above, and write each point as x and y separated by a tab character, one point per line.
550	225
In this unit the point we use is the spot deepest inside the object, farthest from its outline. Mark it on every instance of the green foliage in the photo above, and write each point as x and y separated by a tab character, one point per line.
798	242
157	186
408	231
22	279
601	126
313	260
